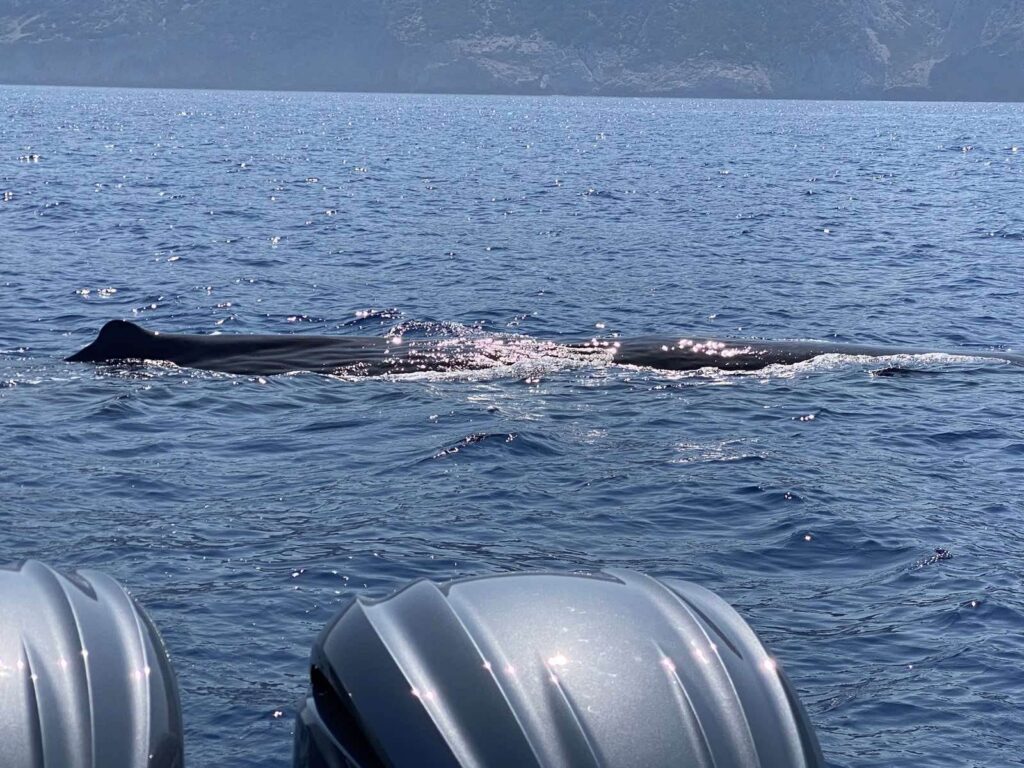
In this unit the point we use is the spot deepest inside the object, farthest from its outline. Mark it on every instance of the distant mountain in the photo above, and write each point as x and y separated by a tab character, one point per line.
939	49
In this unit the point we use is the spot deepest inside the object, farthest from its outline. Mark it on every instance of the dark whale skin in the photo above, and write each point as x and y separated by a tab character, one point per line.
121	340
266	355
687	354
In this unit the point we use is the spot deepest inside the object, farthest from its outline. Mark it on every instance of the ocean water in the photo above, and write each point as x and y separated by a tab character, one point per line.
868	527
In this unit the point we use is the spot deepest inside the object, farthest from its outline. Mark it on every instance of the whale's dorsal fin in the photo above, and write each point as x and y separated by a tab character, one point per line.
117	340
118	332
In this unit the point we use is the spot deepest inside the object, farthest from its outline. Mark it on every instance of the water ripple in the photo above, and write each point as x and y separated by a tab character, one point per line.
824	500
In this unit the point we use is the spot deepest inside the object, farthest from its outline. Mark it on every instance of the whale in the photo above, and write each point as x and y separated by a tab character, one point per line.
122	341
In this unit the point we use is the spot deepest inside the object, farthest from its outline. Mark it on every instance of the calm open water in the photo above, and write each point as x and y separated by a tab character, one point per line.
243	512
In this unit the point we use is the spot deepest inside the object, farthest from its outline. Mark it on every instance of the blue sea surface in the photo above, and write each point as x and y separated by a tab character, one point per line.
868	527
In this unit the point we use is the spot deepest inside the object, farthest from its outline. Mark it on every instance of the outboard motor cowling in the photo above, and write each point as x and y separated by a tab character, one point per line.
84	677
549	670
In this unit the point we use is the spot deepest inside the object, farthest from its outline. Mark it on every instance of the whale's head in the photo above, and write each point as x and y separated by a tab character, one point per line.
117	340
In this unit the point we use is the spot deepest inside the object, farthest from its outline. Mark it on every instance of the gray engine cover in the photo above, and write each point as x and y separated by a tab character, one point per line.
84	677
552	670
